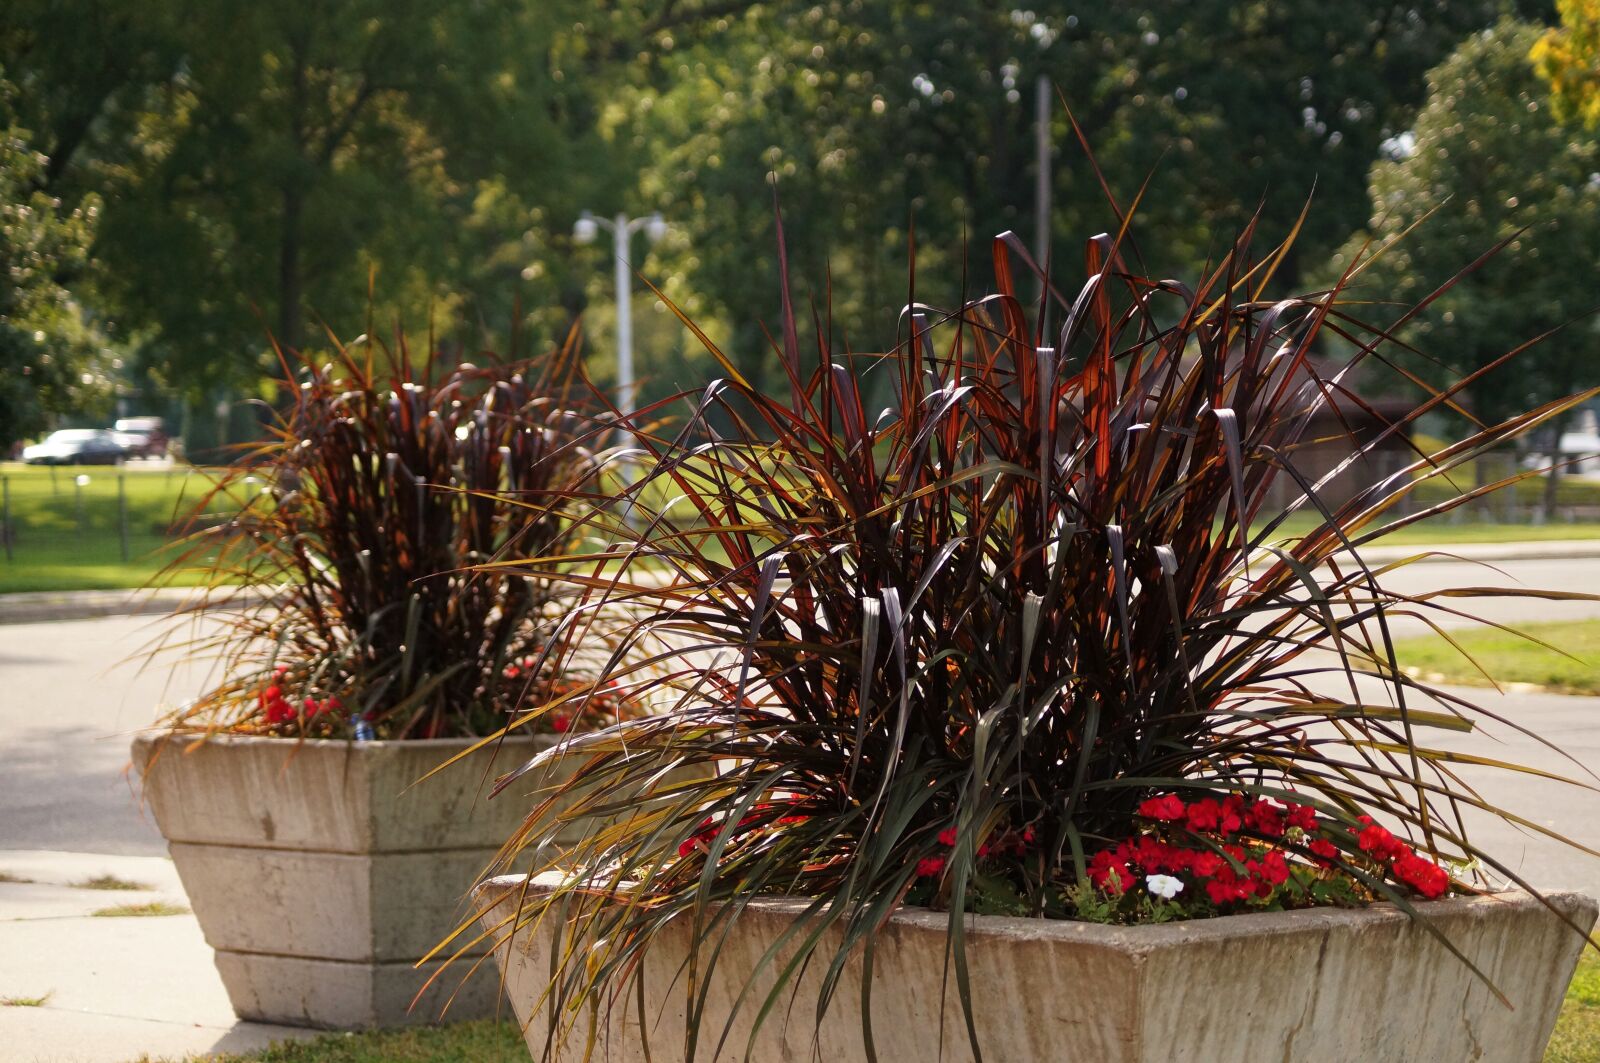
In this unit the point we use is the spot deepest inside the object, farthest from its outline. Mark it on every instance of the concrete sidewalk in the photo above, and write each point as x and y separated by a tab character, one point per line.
114	988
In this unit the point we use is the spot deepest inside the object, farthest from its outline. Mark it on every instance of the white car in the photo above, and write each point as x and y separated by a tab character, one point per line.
76	446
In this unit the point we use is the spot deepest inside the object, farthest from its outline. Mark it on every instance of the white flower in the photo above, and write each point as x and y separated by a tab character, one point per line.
1164	886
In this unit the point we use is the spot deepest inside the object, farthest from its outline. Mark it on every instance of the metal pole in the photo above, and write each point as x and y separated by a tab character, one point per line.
5	515
624	318
122	512
77	501
1041	176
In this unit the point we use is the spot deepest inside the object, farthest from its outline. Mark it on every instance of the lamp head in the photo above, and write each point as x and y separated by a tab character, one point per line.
585	229
655	229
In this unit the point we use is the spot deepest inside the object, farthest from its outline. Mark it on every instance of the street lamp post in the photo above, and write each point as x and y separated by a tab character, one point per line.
622	228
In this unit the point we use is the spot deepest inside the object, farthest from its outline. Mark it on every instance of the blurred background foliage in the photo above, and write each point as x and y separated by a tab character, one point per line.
222	172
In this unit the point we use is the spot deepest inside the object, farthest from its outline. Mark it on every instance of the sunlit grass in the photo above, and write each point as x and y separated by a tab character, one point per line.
25	1002
1577	1036
153	908
467	1042
109	882
69	538
1510	659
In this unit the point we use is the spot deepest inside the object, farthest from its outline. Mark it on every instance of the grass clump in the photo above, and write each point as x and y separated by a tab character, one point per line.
26	1002
109	882
1565	659
152	908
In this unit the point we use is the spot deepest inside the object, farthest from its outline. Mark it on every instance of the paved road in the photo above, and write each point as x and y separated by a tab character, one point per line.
70	701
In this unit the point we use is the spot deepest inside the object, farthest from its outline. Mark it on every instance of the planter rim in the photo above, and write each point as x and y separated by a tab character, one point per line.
151	735
1135	937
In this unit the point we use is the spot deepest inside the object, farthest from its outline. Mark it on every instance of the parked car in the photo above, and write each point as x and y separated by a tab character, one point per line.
75	446
141	437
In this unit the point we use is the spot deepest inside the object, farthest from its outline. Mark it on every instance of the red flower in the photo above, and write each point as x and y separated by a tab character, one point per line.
947	837
1422	875
1325	851
1302	816
1377	842
930	867
1274	868
511	671
1204	815
1151	855
1168	808
1209	815
559	722
1232	813
1227	886
1106	869
1207	864
1265	818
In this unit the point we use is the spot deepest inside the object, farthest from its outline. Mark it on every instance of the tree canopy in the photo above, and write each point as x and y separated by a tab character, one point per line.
1488	160
270	168
49	361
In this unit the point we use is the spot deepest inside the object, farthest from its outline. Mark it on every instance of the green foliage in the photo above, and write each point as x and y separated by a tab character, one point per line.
877	118
1490	162
1044	584
1565	59
261	159
50	363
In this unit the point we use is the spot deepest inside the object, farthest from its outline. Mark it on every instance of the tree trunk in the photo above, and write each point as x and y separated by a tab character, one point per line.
289	279
1552	479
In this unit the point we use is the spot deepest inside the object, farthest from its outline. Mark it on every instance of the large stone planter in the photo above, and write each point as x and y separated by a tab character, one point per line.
320	873
1314	985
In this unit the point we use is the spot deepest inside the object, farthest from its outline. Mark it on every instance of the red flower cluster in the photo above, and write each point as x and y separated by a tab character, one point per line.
1421	874
1007	843
756	820
280	710
1255	871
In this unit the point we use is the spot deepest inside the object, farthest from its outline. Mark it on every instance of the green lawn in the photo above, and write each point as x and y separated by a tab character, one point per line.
1510	659
467	1042
1577	1036
67	537
1576	1040
59	545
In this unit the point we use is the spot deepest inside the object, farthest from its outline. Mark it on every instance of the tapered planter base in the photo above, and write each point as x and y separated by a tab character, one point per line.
1316	985
322	871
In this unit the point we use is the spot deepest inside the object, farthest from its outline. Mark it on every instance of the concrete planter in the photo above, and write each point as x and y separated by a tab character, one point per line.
320	874
1311	985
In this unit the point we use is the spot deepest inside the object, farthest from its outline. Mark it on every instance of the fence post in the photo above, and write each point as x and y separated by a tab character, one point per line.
122	512
5	515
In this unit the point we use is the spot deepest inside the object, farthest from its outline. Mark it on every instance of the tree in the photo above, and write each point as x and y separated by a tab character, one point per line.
49	362
871	116
1568	59
1488	156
